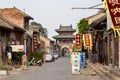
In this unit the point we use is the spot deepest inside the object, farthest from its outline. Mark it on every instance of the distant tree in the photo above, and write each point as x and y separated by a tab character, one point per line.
35	24
83	26
43	31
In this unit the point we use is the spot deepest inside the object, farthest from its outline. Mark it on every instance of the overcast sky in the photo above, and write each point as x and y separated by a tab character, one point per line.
52	13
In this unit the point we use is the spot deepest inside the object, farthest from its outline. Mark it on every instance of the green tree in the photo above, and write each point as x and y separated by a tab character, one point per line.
43	31
83	26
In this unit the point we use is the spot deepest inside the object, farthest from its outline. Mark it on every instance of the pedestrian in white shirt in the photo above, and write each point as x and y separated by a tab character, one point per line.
9	55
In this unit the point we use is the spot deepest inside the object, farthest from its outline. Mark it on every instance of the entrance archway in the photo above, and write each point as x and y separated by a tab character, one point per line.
64	51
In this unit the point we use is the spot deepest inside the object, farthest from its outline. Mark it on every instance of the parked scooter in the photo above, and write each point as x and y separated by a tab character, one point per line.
33	62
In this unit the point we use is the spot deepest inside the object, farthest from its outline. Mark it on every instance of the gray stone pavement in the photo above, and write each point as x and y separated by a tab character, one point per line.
60	69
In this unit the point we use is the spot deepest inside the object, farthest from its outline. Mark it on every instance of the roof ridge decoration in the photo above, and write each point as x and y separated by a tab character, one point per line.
65	28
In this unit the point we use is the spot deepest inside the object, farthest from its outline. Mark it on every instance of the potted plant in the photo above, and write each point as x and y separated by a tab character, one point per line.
4	70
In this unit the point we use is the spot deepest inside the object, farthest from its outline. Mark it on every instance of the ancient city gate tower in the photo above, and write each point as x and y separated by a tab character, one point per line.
65	38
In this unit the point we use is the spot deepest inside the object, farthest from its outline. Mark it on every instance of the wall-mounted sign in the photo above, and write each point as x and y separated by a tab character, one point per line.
35	44
17	48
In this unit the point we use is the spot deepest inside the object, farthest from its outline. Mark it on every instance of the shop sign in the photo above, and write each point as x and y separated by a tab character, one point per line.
78	41
75	63
17	48
82	59
87	40
114	11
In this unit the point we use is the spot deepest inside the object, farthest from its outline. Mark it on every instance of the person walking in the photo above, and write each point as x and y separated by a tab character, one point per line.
9	55
24	59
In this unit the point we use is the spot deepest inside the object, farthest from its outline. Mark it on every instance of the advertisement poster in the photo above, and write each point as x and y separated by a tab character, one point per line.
75	63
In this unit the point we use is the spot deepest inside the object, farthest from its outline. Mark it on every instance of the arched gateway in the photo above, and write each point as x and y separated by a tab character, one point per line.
65	38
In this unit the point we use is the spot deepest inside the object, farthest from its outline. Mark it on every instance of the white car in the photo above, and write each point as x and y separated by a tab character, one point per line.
49	57
55	56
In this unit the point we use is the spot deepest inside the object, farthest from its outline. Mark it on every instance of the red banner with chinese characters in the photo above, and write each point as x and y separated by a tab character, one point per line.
87	40
78	41
114	11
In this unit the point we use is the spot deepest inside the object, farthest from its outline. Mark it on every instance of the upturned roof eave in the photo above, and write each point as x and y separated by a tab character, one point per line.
97	21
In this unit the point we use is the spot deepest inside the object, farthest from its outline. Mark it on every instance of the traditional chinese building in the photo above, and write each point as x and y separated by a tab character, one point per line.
19	20
65	38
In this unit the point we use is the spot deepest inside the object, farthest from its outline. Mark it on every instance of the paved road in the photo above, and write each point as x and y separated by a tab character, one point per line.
57	70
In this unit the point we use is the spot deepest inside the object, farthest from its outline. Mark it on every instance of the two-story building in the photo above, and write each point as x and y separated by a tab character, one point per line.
20	22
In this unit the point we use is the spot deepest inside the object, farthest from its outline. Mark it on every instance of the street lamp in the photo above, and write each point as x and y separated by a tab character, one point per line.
25	38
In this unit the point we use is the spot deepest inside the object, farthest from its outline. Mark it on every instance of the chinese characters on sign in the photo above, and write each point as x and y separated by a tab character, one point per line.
82	59
75	63
78	41
35	43
114	11
87	40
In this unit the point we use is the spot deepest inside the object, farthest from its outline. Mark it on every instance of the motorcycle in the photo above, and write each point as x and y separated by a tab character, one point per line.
33	62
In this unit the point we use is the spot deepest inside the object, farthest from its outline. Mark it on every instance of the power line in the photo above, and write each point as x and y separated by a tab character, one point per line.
92	7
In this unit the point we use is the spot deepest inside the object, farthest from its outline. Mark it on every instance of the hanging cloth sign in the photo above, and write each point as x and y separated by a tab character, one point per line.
113	8
87	40
78	41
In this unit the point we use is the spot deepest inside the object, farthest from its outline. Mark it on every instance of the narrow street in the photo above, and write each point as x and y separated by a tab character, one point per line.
60	69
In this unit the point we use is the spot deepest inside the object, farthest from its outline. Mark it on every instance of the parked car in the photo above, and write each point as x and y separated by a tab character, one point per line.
55	55
49	58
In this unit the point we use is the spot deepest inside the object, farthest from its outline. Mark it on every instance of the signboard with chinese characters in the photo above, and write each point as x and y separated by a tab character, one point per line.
112	8
114	11
87	40
17	48
82	59
78	41
75	63
35	43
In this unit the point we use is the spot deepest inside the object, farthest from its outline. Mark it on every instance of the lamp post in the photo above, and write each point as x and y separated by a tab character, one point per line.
25	38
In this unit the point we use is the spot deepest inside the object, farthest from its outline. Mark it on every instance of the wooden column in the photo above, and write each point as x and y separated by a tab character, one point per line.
113	51
108	48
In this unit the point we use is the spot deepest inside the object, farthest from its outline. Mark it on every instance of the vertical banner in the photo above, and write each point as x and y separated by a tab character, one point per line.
82	59
76	63
113	9
78	41
87	40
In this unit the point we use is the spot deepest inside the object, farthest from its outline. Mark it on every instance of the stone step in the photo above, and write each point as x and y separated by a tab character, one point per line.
112	76
109	74
102	75
115	72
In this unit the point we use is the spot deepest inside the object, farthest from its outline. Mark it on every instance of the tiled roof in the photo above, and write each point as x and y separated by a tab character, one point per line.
65	28
98	20
63	36
7	24
14	8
